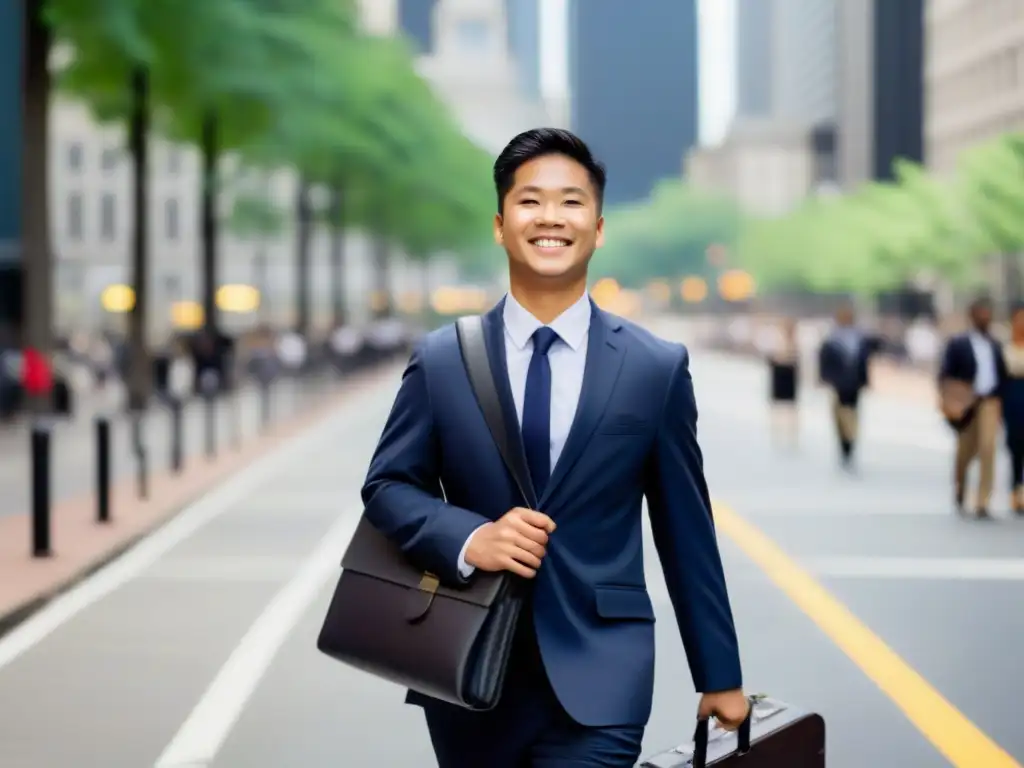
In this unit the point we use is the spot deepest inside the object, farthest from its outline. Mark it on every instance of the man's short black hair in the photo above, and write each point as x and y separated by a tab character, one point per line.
539	142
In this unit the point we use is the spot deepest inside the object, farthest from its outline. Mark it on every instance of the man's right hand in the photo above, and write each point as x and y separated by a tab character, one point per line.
516	542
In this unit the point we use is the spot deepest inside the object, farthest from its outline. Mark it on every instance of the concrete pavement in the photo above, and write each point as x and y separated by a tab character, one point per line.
198	647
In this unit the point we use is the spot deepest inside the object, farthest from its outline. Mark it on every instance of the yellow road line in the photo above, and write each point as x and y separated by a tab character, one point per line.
956	737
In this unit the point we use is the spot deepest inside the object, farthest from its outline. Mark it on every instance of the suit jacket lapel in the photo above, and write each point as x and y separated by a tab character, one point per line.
494	335
605	353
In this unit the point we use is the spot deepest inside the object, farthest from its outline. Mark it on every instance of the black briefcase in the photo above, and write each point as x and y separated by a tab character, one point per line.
774	735
389	619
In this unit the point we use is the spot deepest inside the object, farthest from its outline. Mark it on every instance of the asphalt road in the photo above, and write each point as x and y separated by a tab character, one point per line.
198	648
73	444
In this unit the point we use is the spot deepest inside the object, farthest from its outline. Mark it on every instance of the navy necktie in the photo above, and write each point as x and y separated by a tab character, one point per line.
536	427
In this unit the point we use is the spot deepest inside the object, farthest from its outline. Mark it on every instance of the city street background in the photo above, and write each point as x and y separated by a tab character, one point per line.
253	210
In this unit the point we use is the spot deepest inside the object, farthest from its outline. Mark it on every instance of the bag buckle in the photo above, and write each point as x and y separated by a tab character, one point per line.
428	584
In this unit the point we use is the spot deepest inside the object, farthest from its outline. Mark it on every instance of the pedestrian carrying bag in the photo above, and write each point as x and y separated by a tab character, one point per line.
401	624
774	735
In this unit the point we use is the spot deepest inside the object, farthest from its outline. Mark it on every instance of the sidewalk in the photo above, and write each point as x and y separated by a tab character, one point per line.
73	445
81	545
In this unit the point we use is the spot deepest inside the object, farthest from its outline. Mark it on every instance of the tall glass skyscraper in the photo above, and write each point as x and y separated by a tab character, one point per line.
881	71
755	24
10	167
633	72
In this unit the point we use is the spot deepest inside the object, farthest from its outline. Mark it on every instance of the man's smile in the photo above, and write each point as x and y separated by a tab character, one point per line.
550	244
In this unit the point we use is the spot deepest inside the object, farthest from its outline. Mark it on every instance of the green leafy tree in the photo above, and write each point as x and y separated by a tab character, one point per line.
666	236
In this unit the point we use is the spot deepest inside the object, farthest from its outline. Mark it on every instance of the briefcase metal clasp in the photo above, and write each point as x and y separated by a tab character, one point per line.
428	584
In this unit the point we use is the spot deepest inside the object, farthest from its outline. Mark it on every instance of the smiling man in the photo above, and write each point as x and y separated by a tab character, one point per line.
603	415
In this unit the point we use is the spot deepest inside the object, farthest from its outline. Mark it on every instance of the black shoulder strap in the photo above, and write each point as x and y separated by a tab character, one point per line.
470	331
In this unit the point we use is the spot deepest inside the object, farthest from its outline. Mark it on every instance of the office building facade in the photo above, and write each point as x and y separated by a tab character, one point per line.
803	71
633	72
787	74
973	75
418	21
755	59
523	20
472	70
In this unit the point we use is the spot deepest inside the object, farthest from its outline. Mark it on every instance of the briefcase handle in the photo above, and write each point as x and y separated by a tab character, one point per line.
701	735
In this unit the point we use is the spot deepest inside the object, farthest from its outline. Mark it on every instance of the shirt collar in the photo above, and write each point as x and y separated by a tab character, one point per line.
571	326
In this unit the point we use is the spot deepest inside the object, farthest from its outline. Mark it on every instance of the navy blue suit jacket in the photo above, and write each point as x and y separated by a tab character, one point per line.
437	475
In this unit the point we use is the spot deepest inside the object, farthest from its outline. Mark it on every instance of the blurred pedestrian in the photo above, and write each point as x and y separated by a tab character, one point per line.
292	351
1012	392
782	351
970	380
843	360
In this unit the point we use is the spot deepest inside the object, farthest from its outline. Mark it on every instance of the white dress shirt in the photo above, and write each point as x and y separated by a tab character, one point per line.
985	378
568	359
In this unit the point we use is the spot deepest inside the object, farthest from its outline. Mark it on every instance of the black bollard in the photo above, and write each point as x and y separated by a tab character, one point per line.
177	436
102	469
40	449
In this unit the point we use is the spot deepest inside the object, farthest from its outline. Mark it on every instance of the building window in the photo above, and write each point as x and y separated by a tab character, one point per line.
76	156
75	219
171	219
110	158
473	35
108	216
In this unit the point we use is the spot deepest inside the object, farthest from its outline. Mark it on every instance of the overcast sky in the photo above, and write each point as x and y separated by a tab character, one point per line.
717	60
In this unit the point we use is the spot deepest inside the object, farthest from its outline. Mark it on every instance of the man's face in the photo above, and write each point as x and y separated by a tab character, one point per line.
844	316
982	317
551	224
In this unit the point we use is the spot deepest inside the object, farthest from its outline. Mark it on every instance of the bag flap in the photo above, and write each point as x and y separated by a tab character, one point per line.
371	553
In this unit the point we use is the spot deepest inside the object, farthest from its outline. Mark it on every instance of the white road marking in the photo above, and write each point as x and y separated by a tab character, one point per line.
931	568
152	548
201	736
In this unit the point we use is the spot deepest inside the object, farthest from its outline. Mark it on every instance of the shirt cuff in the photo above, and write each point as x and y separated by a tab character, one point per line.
465	569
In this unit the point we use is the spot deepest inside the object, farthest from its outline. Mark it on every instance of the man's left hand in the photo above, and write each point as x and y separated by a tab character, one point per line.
729	708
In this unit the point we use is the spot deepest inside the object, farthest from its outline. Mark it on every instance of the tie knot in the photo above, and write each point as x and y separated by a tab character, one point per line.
543	338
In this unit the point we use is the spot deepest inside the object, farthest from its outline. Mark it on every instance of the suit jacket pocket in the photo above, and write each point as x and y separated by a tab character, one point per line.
615	602
623	424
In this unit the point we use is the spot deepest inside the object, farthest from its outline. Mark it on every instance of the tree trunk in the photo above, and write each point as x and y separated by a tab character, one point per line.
338	302
304	231
381	277
35	190
260	269
140	374
208	226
